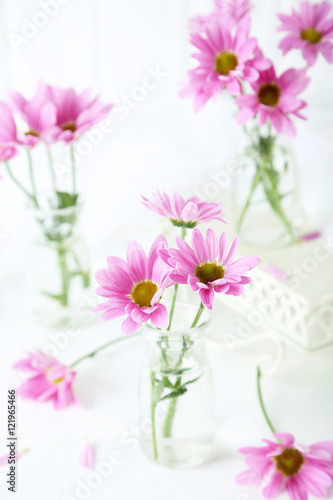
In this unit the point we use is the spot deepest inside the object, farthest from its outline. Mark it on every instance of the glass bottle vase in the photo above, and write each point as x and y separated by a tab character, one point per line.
266	198
58	267
177	412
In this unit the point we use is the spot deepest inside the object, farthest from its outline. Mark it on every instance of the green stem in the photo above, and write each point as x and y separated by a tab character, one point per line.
175	291
32	178
255	182
153	406
269	423
73	169
198	315
53	177
18	182
174	296
167	426
274	200
65	277
104	346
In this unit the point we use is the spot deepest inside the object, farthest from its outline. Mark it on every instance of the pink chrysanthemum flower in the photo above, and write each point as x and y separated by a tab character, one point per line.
310	30
39	115
135	287
48	380
226	58
183	213
275	99
75	113
233	10
302	470
208	266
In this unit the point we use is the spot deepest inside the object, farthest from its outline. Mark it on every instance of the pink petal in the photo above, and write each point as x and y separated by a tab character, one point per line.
248	477
129	326
199	247
274	486
212	245
232	253
160	317
207	297
88	456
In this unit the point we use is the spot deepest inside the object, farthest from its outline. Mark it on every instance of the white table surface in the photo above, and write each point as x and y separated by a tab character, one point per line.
299	399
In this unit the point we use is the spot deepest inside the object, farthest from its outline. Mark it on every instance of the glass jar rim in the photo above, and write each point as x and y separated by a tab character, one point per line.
54	212
152	332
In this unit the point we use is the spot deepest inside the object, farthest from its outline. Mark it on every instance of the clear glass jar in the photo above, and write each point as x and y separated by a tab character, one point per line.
266	195
177	393
58	267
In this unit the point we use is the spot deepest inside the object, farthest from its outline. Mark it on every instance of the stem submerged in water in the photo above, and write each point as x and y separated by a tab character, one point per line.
262	148
153	406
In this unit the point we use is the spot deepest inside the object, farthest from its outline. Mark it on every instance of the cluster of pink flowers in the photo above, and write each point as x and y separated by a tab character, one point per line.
228	58
135	288
52	114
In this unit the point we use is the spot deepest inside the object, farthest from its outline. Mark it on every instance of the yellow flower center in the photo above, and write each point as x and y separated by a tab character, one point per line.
225	62
289	462
311	35
209	272
58	380
68	126
269	94
32	132
143	293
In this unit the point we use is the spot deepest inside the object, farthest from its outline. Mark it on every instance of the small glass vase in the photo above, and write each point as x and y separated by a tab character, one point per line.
58	267
266	197
176	393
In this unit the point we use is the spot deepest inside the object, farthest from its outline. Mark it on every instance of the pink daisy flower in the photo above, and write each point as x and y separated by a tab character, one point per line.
183	213
48	380
75	113
39	115
226	58
275	99
302	470
208	266
310	30
135	287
